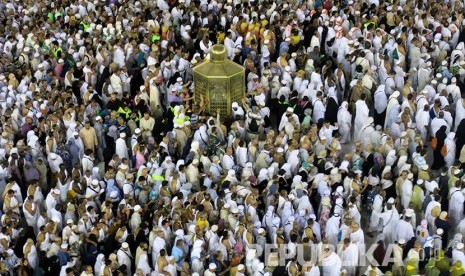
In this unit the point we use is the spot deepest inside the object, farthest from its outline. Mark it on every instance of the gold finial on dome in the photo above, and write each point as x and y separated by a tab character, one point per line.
218	53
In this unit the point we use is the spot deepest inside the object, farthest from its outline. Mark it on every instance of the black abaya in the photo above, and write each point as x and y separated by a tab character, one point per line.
438	158
460	135
331	111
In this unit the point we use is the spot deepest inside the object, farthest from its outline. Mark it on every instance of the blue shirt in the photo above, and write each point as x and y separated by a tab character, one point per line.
177	254
63	257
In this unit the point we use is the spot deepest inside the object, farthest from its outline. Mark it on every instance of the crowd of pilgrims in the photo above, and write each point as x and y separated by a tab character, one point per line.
350	135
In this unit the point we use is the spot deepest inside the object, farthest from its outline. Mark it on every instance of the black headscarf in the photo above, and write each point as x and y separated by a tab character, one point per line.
460	135
441	137
438	158
331	110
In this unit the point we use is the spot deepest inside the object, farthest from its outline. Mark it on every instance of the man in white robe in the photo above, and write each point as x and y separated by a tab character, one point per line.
332	229
121	147
380	102
422	100
459	112
331	262
349	257
365	132
344	121
390	218
422	120
451	149
135	218
456	201
458	253
404	229
319	108
125	256
437	123
356	236
284	119
361	116
377	209
423	76
407	191
54	160
454	91
392	109
159	243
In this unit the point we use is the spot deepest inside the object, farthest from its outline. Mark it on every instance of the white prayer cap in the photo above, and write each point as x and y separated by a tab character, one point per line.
56	191
401	241
212	266
261	230
123	166
215	228
64	246
391	200
454	80
444	80
69	221
137	208
125	245
122	135
293	55
283	82
235	210
241	266
439	231
444	62
195	161
250	255
290	110
425	167
94	182
437	37
420	181
226	206
370	120
297	179
53	156
409	213
137	131
460	246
